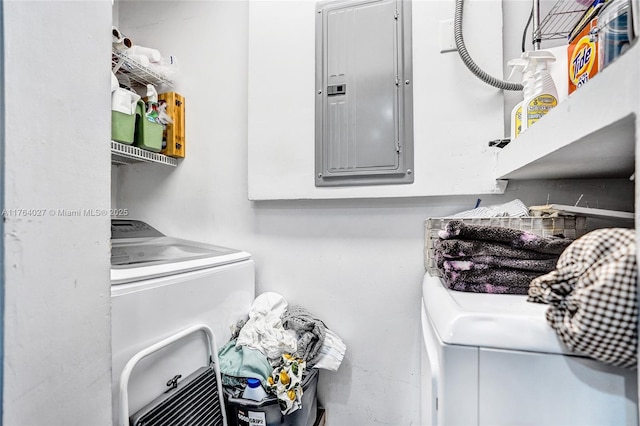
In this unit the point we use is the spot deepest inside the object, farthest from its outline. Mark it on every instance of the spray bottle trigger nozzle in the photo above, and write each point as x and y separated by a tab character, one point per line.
515	64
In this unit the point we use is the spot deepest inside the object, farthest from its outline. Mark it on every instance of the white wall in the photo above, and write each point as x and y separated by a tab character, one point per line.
355	263
57	318
455	114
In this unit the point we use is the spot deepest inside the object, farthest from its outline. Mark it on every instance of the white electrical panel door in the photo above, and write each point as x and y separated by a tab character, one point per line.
363	105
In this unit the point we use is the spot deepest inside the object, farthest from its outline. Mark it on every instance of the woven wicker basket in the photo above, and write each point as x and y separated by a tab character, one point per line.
571	227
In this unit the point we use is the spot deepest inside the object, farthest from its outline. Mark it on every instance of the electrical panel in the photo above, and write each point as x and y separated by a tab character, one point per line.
364	123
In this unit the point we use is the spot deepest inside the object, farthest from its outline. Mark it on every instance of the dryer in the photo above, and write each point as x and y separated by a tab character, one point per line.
160	286
492	359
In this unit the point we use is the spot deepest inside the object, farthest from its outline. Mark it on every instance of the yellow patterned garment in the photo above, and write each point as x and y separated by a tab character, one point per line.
286	383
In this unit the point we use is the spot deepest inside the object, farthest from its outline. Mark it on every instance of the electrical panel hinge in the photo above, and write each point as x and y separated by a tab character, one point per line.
398	147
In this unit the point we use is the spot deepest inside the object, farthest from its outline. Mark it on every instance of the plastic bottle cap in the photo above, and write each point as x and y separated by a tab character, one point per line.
253	383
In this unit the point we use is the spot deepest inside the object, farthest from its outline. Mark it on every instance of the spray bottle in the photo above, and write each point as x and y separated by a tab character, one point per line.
518	120
544	95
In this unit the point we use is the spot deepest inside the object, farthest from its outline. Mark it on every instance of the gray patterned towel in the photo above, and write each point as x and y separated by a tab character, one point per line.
457	229
477	263
454	249
495	281
494	259
310	332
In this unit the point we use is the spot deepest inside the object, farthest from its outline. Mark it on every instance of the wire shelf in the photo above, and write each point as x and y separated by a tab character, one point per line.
127	154
135	71
137	74
560	20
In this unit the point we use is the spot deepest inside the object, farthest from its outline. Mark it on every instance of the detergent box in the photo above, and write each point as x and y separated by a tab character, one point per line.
582	56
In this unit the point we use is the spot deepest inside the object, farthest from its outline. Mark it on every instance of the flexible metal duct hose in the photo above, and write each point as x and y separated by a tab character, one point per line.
466	58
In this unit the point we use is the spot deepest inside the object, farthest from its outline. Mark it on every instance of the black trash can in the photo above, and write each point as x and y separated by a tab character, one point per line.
246	412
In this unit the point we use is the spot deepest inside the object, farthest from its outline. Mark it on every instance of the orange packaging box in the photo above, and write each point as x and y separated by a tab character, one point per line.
174	133
582	57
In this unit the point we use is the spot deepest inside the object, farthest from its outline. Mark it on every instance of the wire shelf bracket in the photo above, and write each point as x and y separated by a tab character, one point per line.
560	20
126	154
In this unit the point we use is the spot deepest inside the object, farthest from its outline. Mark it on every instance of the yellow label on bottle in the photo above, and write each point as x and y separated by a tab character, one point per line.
539	106
518	124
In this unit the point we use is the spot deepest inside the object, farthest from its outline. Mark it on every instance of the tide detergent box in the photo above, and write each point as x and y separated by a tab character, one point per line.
582	57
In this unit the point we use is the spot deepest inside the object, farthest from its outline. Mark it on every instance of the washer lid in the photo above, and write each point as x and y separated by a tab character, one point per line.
140	259
158	251
139	252
501	321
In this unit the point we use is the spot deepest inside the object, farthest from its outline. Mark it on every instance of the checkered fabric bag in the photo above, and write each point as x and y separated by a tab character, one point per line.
592	296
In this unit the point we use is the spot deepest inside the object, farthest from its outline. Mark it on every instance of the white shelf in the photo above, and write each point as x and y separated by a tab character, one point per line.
589	135
127	154
137	73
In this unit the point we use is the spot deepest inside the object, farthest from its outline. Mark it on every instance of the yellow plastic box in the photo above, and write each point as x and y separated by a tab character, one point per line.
174	133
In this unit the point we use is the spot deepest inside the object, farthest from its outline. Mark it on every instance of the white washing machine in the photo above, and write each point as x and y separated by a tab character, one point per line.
493	360
161	286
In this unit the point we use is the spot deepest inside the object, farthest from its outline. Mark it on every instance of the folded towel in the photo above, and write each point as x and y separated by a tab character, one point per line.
514	208
310	332
494	280
331	353
475	263
457	229
468	248
488	288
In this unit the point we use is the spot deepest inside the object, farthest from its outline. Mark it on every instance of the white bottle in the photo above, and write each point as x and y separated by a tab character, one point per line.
518	119
545	94
254	390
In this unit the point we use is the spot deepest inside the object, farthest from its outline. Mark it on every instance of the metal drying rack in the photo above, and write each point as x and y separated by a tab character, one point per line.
558	23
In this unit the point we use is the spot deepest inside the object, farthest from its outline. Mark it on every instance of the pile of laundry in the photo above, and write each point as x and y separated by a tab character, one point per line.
592	296
278	344
491	259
